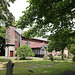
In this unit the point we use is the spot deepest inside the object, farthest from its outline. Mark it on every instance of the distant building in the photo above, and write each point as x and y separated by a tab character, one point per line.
14	40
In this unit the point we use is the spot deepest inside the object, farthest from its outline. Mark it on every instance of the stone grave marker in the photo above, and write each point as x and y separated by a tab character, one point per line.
9	70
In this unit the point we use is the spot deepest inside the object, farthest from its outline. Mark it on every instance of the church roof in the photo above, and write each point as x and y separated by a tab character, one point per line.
19	31
37	45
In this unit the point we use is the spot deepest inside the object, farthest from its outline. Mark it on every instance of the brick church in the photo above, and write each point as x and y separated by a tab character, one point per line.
14	39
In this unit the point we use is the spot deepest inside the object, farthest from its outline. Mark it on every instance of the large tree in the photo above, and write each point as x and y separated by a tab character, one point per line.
48	16
60	40
5	15
6	18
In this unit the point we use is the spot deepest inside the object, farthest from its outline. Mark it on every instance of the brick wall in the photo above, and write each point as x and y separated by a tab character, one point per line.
17	40
10	35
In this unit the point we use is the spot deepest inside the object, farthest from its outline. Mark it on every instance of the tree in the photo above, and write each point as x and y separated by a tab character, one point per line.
2	46
24	51
2	40
2	31
5	15
72	49
48	15
59	41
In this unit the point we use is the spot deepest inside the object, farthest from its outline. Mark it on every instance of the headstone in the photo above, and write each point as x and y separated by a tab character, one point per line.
51	57
9	70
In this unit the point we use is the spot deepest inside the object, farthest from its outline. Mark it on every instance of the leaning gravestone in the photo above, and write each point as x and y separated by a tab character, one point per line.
9	70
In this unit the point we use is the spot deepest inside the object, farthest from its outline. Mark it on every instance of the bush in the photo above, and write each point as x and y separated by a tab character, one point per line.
51	57
24	51
73	51
45	57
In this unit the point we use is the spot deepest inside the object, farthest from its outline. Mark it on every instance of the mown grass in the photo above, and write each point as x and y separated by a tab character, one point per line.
4	60
59	66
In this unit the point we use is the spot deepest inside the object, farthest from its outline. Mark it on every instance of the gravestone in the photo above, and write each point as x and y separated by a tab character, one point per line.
51	57
9	70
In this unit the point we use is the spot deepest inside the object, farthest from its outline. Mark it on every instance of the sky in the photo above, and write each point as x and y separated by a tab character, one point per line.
18	7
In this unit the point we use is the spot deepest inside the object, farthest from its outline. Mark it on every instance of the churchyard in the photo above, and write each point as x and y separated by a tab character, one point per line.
38	66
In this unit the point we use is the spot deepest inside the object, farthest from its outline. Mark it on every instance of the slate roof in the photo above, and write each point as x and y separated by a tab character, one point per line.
19	31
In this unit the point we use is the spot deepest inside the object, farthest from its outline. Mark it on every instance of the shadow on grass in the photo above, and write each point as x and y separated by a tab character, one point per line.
4	60
24	59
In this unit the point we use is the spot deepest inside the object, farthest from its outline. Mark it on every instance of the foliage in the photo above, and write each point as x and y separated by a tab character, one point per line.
73	51
72	46
24	51
5	15
2	40
73	58
60	40
44	16
45	57
2	31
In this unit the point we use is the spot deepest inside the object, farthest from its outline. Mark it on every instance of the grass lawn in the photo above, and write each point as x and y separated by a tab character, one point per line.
41	67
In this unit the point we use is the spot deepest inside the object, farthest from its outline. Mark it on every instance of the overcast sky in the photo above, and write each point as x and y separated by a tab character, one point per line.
18	7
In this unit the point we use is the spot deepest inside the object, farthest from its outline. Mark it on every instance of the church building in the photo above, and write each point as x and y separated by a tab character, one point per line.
14	40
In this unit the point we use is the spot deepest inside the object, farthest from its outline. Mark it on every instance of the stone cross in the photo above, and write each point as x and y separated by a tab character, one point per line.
9	70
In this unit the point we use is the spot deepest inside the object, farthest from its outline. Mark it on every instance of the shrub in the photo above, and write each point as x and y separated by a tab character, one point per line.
73	52
45	57
24	51
73	58
51	57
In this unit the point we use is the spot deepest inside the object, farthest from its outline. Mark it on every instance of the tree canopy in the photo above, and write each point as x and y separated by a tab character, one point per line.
5	14
48	16
60	40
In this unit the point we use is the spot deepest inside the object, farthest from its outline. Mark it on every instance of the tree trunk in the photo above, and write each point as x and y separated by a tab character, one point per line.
17	57
62	55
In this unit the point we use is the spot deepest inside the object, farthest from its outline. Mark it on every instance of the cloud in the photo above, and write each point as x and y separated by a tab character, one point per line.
18	7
